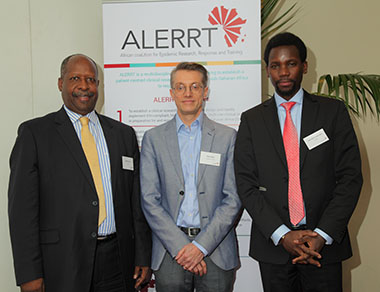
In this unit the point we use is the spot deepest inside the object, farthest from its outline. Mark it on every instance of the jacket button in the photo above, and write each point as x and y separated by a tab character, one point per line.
95	203
181	193
94	234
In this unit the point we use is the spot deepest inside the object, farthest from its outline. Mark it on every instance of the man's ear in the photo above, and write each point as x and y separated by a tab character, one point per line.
267	70
60	83
205	96
305	66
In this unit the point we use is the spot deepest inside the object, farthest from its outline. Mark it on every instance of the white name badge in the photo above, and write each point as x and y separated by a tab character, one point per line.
127	162
317	138
209	158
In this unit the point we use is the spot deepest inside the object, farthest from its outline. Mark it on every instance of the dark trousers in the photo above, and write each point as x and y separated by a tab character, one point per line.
301	278
107	274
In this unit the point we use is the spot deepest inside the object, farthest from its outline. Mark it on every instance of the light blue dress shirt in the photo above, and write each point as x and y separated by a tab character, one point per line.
189	141
296	113
108	225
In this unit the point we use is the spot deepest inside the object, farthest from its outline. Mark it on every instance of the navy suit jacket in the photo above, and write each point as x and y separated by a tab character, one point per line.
330	176
53	214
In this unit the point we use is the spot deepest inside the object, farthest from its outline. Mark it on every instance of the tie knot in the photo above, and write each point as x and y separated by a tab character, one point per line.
84	121
288	105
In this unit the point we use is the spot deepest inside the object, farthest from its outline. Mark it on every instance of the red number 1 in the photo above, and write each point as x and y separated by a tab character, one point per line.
119	112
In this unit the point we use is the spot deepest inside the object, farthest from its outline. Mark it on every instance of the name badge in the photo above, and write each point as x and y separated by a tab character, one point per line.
317	138
127	162
209	158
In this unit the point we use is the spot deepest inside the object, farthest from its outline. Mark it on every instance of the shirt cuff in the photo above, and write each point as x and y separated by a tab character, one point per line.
203	250
325	236
278	233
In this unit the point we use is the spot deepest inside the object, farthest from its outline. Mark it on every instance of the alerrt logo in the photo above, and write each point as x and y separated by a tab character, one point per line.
191	36
230	22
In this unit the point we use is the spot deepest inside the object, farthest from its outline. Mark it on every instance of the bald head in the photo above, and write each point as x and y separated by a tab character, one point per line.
67	59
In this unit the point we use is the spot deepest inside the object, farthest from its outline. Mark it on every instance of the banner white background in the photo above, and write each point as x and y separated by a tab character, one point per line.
143	41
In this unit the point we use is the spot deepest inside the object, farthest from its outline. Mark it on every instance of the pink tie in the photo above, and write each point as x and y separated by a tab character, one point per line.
290	137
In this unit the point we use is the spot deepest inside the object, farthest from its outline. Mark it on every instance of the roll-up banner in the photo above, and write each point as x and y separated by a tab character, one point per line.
144	41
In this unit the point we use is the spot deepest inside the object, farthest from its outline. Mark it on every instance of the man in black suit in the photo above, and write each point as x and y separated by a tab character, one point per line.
298	173
59	240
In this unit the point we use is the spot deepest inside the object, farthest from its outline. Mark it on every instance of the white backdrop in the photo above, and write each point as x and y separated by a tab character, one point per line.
143	41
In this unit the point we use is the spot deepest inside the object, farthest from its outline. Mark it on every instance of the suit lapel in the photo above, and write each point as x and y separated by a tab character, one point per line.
173	147
272	124
113	151
208	133
67	132
310	110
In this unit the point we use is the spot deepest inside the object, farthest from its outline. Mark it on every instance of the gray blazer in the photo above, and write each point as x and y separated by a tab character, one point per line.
162	192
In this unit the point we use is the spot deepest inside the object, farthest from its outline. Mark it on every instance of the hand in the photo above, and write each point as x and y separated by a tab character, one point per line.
141	275
200	269
290	245
33	286
311	246
189	257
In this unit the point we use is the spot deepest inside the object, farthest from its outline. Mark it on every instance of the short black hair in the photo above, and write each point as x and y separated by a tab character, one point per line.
67	59
285	39
190	66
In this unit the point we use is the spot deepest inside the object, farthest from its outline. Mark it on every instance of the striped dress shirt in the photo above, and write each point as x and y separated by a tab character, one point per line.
108	225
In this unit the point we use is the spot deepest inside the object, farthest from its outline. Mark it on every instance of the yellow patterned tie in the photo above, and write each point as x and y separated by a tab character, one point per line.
89	148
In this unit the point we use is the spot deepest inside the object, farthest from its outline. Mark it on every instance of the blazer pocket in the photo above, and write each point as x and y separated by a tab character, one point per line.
49	236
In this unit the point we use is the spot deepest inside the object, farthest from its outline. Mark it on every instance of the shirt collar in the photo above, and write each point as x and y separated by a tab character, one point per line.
74	117
297	98
180	124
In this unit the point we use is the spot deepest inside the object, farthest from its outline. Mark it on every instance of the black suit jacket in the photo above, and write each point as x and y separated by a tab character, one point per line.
53	214
330	175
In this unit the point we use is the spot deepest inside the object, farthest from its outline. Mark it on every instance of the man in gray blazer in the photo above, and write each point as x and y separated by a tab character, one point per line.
189	193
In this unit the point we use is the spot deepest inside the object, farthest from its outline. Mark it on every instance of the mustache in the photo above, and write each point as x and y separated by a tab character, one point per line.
83	94
285	80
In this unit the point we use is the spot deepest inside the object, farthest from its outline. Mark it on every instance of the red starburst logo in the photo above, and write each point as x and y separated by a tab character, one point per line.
230	21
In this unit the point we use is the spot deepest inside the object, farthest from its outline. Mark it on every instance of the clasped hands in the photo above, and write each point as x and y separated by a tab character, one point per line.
191	259
305	245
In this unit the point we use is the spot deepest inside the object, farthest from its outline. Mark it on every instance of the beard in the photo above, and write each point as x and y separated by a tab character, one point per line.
286	92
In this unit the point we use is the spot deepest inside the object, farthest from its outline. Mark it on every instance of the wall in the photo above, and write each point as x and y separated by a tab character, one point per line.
341	36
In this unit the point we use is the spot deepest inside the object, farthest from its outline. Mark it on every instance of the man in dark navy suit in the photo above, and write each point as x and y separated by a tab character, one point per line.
76	225
298	173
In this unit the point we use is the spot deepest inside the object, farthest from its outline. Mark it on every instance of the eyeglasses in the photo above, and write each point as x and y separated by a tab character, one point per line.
180	88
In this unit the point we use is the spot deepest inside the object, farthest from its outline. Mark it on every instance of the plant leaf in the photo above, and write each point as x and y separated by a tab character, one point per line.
357	91
267	7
